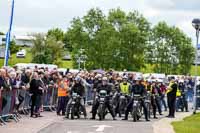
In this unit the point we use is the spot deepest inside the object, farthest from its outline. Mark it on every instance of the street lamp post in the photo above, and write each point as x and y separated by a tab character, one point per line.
81	58
196	25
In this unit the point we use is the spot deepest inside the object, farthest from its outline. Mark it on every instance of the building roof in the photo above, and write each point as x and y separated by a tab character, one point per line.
23	37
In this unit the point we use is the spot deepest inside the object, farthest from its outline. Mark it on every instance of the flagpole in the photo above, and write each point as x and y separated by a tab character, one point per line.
6	57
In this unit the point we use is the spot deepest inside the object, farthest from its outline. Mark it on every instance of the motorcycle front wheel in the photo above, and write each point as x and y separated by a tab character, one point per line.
101	112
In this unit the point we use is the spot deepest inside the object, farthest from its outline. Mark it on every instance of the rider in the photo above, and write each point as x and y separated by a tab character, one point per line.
78	88
125	87
108	88
137	89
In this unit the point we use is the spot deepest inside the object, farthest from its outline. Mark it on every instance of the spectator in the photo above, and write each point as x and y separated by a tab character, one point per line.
36	94
62	96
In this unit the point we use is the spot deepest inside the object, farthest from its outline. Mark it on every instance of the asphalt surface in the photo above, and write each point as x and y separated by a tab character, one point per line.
96	126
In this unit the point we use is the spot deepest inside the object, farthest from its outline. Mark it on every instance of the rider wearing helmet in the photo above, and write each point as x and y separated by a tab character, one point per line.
137	89
125	87
78	88
108	88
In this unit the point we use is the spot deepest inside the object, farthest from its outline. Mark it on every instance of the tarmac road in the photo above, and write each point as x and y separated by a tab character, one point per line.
96	126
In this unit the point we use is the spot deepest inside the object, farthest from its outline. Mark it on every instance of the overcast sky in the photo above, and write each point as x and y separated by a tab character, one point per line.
41	15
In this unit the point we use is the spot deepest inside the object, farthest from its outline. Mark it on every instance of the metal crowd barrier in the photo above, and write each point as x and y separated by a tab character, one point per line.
7	106
89	95
24	101
15	102
50	99
10	110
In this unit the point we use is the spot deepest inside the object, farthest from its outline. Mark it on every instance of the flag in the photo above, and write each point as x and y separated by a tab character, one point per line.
8	35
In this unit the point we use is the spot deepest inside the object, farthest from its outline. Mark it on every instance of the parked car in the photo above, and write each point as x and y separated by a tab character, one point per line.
21	54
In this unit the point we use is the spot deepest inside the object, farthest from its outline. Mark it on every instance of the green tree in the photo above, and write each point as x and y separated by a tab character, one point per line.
115	41
56	49
13	47
39	50
166	47
57	33
1	33
126	41
46	50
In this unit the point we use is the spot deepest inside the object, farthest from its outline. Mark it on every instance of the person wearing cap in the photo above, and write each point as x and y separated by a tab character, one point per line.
108	88
171	97
138	89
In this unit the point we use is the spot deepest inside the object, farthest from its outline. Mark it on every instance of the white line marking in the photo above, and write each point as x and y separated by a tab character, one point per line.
100	128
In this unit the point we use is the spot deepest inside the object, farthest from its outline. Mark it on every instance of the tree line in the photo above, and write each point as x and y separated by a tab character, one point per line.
118	40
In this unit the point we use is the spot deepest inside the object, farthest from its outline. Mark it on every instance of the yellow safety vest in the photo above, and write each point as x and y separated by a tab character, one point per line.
178	92
169	89
124	88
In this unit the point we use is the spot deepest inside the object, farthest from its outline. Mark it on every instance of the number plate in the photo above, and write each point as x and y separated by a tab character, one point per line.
122	97
101	99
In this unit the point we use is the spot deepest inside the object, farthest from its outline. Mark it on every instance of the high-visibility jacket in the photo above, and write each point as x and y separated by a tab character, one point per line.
124	88
169	88
62	89
178	92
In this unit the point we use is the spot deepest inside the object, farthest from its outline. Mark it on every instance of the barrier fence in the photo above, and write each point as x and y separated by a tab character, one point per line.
18	101
7	104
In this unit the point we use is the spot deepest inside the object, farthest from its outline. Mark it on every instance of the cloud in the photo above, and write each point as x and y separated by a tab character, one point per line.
175	4
164	4
187	28
41	15
151	12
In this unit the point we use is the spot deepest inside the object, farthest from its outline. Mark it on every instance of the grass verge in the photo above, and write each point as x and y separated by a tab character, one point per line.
189	124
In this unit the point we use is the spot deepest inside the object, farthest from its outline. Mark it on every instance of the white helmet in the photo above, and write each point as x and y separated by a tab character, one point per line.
104	78
98	76
125	77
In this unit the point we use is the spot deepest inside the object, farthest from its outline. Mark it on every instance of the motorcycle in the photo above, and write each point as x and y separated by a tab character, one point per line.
137	109
123	101
102	107
75	108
